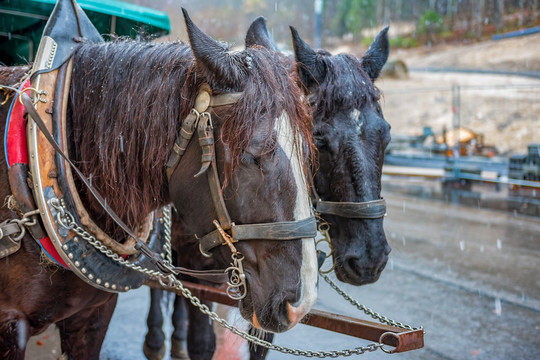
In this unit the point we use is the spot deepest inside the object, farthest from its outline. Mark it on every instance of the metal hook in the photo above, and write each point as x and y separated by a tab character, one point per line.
6	95
38	92
237	288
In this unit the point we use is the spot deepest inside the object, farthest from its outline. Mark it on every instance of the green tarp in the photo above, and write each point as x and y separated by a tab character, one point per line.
22	23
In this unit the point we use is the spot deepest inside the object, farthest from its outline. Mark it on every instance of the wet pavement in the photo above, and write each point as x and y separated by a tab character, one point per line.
469	276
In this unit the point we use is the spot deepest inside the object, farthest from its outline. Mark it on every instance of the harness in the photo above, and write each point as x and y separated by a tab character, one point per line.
63	216
40	172
227	232
373	209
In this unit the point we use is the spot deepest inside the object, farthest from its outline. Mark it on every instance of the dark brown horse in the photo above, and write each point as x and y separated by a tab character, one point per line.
351	137
127	101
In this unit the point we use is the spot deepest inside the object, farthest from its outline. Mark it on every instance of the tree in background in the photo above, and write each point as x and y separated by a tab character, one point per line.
435	20
353	16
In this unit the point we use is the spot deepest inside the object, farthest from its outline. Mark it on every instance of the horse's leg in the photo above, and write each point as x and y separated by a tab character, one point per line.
14	335
83	333
154	342
201	338
180	323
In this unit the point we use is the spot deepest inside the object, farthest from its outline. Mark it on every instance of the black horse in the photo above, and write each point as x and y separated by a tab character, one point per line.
351	136
126	104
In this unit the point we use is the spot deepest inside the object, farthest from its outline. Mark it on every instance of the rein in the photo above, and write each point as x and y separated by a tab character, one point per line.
227	232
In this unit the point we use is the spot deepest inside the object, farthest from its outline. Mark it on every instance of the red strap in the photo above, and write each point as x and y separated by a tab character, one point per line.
47	246
16	144
17	153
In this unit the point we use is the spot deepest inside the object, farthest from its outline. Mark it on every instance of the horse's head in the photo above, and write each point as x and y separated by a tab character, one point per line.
351	135
262	146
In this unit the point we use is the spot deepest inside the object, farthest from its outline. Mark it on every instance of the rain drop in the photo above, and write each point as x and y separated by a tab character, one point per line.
462	245
499	244
498	307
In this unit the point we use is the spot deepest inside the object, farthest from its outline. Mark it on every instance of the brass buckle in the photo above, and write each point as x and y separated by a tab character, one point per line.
324	229
227	239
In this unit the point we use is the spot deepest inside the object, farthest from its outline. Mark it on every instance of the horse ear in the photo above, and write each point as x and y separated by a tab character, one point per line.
310	67
258	34
213	56
377	54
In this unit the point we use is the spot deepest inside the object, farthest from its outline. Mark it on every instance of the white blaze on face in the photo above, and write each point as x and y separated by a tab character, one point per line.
302	210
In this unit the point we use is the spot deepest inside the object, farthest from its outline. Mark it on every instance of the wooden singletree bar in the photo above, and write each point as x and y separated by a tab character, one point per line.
401	339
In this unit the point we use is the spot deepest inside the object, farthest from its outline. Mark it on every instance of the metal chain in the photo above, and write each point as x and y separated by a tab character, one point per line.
167	210
27	220
381	318
66	220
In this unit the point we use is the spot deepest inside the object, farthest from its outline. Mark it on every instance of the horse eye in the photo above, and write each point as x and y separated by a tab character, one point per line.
249	159
320	142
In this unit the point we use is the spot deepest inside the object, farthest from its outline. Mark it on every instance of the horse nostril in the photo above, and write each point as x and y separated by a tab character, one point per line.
352	264
295	314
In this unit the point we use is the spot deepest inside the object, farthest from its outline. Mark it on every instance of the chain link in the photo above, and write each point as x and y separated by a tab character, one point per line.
66	220
381	318
167	210
27	220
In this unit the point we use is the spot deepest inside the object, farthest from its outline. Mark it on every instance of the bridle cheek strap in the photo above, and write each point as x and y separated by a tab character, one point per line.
200	119
353	210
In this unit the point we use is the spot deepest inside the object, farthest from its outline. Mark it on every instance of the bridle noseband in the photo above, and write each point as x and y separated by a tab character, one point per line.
227	232
373	209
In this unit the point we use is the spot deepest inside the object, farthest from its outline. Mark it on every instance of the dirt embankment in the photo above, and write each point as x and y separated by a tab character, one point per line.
505	109
513	54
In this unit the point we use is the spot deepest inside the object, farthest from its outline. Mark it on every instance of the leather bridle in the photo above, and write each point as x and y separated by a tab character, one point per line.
373	209
227	232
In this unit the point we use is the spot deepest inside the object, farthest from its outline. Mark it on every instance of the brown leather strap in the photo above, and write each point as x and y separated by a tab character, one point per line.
215	276
186	133
203	102
225	99
284	230
354	210
205	131
9	228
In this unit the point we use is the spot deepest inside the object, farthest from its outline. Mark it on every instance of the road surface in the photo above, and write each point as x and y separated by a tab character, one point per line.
469	276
